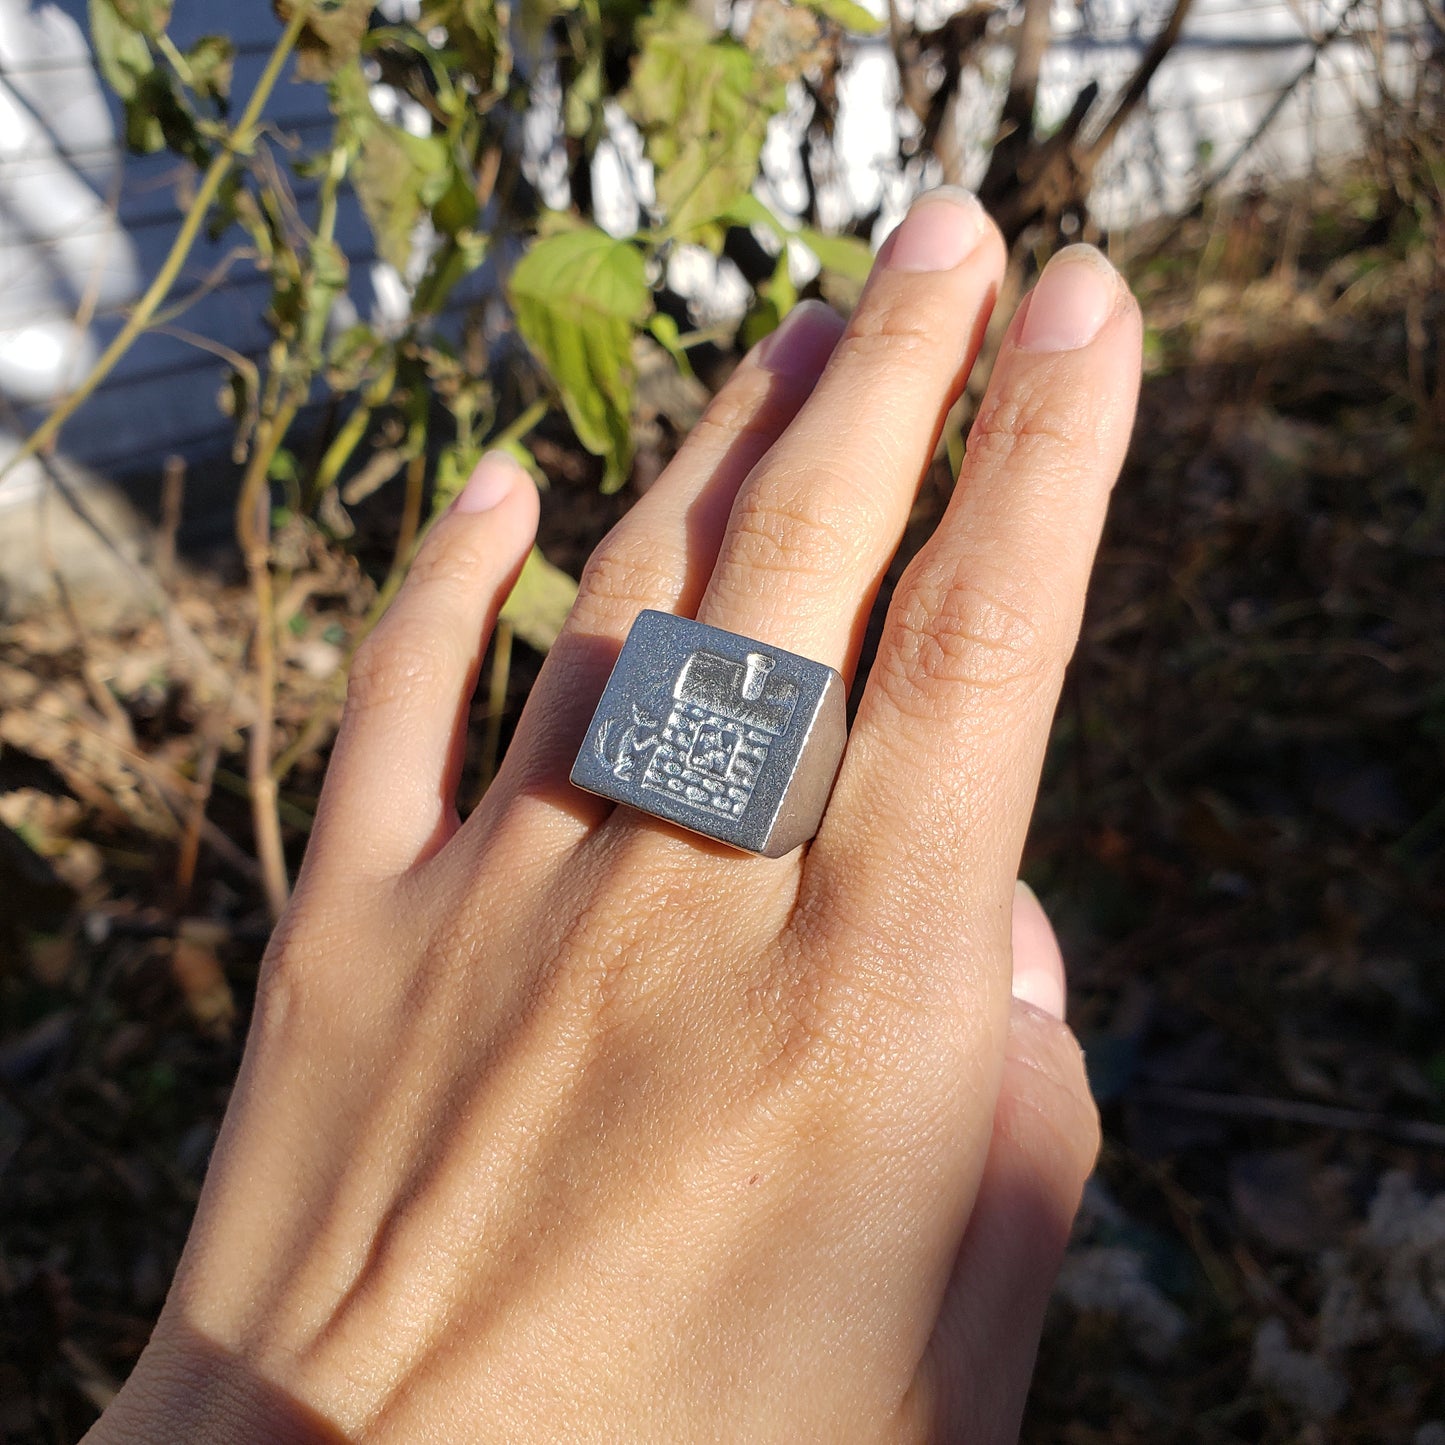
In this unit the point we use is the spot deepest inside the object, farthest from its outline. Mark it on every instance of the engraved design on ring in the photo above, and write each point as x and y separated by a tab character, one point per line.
717	733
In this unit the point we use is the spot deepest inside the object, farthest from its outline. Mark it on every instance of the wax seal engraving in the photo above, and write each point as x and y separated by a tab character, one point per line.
717	733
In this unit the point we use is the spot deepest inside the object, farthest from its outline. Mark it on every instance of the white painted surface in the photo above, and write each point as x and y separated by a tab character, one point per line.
82	227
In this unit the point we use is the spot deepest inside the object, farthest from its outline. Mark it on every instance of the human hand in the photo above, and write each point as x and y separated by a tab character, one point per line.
562	1124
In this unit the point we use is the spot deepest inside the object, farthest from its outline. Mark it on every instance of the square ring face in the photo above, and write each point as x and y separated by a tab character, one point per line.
717	733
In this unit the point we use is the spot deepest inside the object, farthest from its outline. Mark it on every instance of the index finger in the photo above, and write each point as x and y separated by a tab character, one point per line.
928	817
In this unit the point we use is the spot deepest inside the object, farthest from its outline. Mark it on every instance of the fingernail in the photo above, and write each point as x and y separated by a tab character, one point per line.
1038	976
1075	296
491	481
941	228
803	341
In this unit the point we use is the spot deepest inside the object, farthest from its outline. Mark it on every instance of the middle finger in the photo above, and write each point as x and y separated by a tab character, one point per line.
817	521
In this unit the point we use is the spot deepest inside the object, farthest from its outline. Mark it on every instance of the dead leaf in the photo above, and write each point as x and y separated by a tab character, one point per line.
202	982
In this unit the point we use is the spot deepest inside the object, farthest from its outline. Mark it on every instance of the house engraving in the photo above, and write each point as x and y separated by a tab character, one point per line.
726	716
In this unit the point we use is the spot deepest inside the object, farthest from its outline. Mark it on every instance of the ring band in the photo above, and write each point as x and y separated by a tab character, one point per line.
717	733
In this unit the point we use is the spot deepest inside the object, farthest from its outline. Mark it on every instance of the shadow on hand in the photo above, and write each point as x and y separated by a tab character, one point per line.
188	1387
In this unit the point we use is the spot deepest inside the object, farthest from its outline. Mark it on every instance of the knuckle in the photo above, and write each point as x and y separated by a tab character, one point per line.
843	1029
896	329
964	630
812	523
1032	424
751	404
456	567
627	571
398	665
296	987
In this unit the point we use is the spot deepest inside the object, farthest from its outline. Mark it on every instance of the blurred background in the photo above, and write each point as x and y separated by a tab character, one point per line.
271	281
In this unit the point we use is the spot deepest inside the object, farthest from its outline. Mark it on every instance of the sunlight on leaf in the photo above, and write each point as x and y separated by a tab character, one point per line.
540	602
848	14
579	296
703	105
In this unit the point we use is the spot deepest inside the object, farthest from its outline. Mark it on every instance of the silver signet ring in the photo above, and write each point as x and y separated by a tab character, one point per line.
719	734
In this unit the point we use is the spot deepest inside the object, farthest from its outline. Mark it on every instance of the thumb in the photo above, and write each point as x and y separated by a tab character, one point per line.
1045	1140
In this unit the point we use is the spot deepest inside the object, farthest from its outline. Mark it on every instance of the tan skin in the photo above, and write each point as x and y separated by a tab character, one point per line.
562	1124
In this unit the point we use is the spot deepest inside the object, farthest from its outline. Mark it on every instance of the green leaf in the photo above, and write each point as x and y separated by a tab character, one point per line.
397	176
748	210
330	39
357	357
120	49
156	118
455	209
144	134
540	602
150	17
703	105
283	466
665	333
847	255
776	297
848	14
582	105
211	61
455	464
579	296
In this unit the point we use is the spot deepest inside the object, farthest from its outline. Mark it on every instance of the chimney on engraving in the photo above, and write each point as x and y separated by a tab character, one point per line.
756	676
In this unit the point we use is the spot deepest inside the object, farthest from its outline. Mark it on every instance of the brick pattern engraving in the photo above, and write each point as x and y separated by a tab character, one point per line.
711	750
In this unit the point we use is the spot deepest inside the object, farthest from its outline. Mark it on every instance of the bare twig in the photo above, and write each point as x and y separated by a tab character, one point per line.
54	1122
177	794
206	286
145	309
1016	122
1138	86
253	532
1292	1111
173	491
100	695
1047	179
195	822
1221	173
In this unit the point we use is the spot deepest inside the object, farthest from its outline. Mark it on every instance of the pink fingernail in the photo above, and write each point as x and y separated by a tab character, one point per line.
490	483
940	230
1075	296
803	341
1038	976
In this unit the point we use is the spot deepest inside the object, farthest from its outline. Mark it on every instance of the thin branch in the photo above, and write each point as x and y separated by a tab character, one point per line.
211	282
1292	1111
1138	87
178	631
253	532
1016	121
144	311
1218	177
